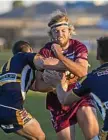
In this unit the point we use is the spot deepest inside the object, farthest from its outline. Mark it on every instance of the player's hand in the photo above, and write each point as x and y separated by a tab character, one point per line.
51	77
64	82
56	48
39	62
71	78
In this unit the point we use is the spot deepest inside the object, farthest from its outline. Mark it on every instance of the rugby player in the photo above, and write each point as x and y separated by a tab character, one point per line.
75	57
95	82
16	77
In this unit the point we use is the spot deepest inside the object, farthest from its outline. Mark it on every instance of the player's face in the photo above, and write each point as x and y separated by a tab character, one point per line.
61	35
30	50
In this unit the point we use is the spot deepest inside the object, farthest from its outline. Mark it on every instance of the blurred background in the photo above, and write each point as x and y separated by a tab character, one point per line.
27	20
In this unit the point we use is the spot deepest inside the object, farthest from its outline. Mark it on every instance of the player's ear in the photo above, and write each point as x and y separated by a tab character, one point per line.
70	32
31	50
97	55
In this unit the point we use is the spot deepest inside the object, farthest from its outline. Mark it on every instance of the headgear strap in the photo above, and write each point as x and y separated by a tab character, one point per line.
59	24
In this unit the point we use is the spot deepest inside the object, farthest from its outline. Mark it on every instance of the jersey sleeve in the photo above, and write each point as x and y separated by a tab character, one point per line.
46	51
29	59
82	87
81	50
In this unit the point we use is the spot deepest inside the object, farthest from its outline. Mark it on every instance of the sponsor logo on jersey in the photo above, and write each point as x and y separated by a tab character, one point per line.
10	126
100	73
8	76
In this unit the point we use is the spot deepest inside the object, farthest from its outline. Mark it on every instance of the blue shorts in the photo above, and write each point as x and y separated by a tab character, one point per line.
12	120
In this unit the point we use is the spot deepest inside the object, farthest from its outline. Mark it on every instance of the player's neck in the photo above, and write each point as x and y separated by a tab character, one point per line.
102	62
66	46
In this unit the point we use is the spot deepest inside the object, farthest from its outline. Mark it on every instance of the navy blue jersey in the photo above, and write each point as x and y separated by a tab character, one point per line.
16	76
97	83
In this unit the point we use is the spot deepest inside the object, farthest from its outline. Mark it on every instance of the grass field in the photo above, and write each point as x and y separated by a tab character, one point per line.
35	104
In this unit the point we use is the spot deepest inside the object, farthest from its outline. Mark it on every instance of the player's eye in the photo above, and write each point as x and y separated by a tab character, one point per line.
56	31
63	31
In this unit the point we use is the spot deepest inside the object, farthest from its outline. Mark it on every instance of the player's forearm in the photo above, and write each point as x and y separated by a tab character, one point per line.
66	98
58	67
74	67
41	86
38	62
44	87
53	64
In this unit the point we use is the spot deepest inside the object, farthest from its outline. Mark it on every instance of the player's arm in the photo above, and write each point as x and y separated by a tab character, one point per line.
38	62
54	64
39	84
68	97
79	67
34	60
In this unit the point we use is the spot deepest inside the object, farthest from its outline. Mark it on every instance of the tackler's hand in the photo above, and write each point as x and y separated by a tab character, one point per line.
39	62
51	77
56	48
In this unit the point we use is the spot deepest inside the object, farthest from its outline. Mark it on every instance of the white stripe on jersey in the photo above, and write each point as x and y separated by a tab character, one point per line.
99	104
24	85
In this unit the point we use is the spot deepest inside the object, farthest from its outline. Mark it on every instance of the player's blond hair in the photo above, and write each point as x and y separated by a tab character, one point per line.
58	17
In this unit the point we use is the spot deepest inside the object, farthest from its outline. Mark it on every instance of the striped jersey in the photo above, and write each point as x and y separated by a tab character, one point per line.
74	51
16	76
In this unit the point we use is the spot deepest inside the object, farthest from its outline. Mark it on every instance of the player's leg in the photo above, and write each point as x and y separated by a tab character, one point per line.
27	126
87	120
67	133
21	123
32	131
64	124
104	131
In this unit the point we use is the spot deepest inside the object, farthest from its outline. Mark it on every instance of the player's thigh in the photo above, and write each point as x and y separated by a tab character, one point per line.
67	133
32	130
87	120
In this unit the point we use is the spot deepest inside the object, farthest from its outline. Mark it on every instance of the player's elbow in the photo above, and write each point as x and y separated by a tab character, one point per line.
82	73
62	102
69	99
65	102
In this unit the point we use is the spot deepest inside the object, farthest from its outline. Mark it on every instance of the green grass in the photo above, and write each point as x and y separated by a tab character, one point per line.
35	104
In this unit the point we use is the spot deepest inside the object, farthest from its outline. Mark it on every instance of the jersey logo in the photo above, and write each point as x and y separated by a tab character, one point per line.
10	126
71	55
77	85
7	77
100	73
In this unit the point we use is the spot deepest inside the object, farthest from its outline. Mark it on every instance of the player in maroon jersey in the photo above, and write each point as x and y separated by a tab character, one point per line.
75	60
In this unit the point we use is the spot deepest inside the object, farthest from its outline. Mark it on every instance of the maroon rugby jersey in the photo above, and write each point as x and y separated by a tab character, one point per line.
75	50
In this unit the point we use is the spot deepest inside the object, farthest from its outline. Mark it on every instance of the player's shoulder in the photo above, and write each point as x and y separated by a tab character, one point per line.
76	43
47	45
24	56
93	73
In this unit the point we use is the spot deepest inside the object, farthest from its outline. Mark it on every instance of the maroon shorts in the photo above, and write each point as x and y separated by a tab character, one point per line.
65	116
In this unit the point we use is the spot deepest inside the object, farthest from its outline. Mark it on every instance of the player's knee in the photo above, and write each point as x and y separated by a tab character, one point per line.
41	137
92	132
